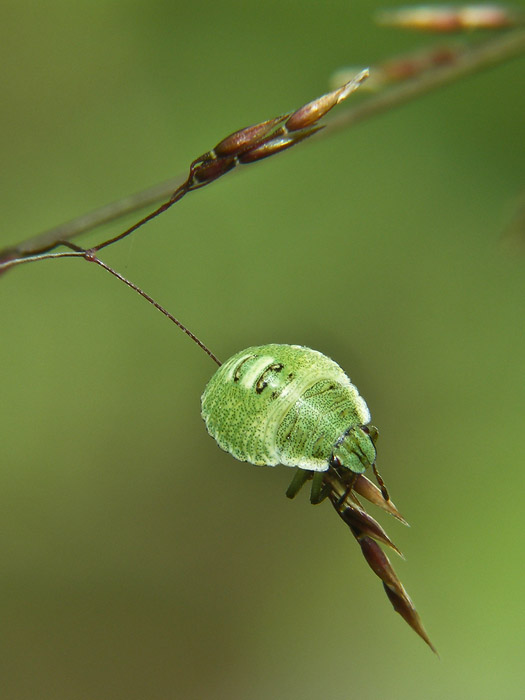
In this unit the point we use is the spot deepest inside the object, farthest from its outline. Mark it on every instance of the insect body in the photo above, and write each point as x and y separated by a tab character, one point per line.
288	404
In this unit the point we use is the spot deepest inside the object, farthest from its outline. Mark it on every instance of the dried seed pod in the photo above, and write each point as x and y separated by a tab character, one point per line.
276	144
313	111
242	140
203	172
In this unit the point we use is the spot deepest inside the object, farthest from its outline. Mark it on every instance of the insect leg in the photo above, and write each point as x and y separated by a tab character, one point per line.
381	483
320	489
300	478
372	431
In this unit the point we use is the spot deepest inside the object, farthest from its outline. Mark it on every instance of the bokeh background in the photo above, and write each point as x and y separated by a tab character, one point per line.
137	559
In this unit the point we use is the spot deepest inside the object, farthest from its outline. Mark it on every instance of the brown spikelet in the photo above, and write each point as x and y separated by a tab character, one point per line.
264	139
356	517
246	138
365	488
203	172
368	533
380	565
276	144
403	605
313	111
261	140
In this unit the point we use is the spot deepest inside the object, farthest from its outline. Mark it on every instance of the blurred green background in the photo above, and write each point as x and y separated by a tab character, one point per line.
140	561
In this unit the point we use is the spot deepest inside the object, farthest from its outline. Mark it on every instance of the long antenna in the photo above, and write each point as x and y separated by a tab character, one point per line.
90	256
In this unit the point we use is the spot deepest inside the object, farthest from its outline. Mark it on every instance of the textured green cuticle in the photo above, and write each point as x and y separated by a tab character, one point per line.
355	450
286	404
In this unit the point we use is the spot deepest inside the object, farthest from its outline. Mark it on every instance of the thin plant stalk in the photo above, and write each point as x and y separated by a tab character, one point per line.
482	56
243	147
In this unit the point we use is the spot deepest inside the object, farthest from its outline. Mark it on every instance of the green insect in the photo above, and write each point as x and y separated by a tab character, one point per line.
287	404
290	405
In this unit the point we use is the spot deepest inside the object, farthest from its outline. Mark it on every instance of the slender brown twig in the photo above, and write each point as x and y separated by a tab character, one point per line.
480	57
91	256
484	55
243	147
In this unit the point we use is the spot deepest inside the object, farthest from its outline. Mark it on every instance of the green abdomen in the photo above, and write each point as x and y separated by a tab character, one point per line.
312	426
281	404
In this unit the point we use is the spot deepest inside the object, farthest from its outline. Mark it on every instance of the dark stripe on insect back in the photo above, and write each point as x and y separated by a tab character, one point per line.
291	428
261	383
318	448
237	371
312	394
